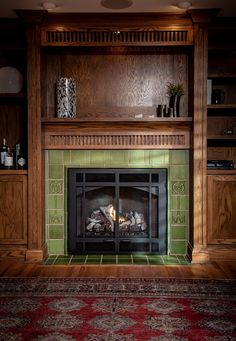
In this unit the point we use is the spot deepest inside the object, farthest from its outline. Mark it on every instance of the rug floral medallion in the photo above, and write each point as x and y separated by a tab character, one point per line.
110	309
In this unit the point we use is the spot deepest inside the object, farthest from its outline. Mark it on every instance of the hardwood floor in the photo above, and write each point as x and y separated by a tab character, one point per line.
15	267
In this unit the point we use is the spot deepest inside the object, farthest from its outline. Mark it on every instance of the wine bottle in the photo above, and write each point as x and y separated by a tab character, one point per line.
3	152
9	159
19	157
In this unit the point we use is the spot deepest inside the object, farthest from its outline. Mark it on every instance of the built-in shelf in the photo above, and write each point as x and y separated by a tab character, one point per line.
12	95
222	75
13	171
221	106
221	137
221	171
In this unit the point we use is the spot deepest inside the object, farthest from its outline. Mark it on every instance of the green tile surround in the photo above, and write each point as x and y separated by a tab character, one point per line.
176	161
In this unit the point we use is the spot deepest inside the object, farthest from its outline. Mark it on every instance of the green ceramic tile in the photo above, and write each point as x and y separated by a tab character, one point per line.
155	260
138	158
183	260
61	260
55	202
179	217
55	156
108	256
67	157
178	247
159	157
116	158
78	157
179	187
179	202
93	261
56	231
124	260
56	246
97	158
178	172
108	261
179	232
75	261
55	186
56	172
179	157
140	260
55	217
170	260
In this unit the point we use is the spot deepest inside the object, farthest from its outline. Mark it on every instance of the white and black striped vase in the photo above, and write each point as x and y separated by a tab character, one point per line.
66	97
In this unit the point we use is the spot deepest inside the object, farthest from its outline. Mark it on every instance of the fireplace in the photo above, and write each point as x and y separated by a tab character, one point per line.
117	210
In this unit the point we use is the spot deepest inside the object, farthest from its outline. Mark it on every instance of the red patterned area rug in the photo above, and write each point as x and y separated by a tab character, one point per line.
110	309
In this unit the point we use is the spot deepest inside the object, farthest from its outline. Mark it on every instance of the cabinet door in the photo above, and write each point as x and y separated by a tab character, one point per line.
13	209
221	209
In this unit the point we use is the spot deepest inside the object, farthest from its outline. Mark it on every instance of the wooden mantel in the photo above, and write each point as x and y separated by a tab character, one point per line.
158	133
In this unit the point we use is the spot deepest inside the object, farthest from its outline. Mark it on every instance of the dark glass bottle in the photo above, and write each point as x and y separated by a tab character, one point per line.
3	152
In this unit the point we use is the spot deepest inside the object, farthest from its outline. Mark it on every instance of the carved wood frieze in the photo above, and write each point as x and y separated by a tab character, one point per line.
113	140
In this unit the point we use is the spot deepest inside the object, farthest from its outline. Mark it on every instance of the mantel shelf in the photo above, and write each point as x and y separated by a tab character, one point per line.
156	120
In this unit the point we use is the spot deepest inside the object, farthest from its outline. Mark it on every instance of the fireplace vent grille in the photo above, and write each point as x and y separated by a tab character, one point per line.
157	37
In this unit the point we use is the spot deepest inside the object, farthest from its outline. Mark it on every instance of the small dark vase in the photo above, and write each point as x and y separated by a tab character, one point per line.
174	104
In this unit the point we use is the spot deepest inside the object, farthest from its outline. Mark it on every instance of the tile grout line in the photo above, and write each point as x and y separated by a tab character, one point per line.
70	260
55	259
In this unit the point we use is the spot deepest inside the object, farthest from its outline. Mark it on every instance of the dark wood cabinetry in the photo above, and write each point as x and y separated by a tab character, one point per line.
221	199
221	136
13	209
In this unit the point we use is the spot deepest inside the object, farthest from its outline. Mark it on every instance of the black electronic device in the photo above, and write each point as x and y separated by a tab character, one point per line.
220	164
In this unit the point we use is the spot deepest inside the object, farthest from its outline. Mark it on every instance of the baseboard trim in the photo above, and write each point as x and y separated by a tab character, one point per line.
35	256
214	253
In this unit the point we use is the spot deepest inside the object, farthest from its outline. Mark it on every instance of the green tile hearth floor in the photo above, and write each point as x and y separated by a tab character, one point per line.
121	259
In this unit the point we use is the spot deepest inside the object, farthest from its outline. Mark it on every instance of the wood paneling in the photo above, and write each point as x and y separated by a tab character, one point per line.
13	209
117	78
34	141
199	137
221	209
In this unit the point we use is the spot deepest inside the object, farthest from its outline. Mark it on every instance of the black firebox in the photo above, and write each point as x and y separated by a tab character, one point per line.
117	210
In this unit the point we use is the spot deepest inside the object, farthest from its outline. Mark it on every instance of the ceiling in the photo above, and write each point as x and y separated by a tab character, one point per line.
228	7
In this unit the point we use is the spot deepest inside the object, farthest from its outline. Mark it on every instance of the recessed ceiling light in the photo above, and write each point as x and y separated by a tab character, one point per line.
184	4
49	6
116	4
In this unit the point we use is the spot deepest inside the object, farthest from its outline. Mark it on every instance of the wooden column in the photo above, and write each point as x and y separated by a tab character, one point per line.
201	19
33	21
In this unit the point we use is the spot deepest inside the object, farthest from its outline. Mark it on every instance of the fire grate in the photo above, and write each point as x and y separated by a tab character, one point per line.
117	210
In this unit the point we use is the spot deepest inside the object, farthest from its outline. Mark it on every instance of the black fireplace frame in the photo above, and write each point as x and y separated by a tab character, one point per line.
82	244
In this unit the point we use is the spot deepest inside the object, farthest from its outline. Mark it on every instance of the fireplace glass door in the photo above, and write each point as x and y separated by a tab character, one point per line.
117	210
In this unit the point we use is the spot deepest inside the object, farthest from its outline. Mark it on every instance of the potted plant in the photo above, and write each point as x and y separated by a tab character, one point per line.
175	91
